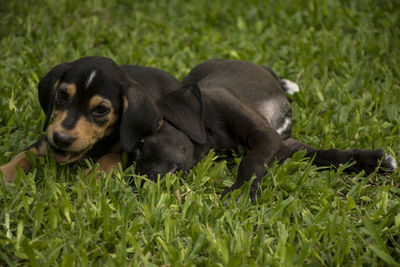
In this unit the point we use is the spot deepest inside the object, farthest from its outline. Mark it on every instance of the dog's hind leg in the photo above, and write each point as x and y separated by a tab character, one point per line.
21	160
264	146
367	160
251	130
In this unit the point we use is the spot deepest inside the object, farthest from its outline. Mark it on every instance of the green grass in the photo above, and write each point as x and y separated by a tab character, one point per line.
345	57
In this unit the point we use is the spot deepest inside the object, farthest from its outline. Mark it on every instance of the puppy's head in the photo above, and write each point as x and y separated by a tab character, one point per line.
167	151
92	98
177	144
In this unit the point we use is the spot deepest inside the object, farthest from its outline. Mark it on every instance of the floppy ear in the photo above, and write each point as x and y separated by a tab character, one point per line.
184	108
140	117
47	87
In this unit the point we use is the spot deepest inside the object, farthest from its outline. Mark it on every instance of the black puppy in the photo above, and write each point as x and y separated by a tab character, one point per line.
99	110
230	105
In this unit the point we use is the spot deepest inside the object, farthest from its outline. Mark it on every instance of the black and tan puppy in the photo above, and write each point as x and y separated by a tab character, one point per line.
230	105
97	109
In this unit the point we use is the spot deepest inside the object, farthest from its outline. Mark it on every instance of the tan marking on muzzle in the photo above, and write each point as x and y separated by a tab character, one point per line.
59	117
88	133
85	132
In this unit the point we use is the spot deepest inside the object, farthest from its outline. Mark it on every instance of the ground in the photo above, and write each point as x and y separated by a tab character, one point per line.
343	54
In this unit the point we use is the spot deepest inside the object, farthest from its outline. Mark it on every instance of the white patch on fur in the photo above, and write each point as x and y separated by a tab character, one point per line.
90	79
273	113
286	124
267	109
390	161
290	87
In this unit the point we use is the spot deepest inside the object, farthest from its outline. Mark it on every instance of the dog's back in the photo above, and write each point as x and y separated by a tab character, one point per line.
157	82
261	90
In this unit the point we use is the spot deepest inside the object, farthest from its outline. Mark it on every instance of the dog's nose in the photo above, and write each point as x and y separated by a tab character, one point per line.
62	140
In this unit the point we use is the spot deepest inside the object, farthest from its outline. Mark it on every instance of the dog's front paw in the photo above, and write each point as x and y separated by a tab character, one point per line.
227	194
254	192
9	172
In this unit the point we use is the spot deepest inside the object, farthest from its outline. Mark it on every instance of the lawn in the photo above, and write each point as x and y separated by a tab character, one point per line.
345	56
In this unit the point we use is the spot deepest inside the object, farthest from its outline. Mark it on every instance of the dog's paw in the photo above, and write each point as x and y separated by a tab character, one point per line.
254	193
9	172
227	197
369	160
389	163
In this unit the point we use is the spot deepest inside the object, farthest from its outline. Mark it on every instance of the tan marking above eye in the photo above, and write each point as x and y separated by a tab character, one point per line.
69	88
97	99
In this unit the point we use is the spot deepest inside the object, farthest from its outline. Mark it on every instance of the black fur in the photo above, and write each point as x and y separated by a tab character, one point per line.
46	90
127	99
230	105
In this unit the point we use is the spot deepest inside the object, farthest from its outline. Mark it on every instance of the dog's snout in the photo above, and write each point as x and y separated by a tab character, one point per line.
62	140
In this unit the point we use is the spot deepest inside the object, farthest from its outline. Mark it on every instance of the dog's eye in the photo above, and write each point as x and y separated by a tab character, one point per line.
101	110
62	95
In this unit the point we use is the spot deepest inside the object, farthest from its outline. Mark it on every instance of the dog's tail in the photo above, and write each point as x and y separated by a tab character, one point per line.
361	159
287	86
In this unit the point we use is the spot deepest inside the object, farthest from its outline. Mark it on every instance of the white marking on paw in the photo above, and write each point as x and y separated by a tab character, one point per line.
290	87
90	79
390	161
286	124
